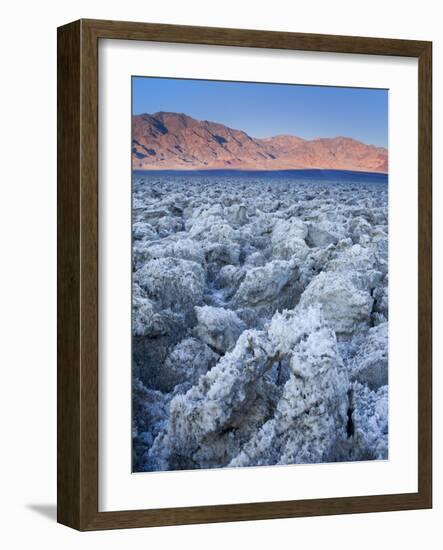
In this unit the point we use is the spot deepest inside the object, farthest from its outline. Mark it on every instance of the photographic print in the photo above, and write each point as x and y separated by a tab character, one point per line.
259	274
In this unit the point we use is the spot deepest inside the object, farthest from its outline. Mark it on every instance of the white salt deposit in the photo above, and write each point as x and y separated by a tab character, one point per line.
260	321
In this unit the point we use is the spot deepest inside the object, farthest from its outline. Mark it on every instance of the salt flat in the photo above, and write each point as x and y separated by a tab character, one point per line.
260	316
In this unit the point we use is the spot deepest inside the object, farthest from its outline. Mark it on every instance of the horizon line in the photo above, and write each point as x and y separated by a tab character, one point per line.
190	169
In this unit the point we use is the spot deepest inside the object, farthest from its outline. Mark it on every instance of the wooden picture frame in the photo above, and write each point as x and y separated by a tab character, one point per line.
78	274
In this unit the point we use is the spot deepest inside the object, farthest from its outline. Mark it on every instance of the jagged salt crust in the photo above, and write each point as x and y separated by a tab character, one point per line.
260	322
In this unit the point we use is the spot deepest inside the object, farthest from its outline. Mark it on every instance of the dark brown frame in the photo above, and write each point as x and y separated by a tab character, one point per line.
77	455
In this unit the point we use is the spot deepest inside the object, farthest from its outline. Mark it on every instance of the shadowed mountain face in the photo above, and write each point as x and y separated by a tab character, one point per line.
173	141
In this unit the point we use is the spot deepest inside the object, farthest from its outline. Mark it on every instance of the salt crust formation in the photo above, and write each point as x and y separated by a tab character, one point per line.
260	323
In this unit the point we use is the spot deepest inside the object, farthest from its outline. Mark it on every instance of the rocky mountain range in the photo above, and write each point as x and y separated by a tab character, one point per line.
175	141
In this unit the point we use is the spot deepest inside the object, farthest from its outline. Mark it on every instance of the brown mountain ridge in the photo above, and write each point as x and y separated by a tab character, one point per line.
175	141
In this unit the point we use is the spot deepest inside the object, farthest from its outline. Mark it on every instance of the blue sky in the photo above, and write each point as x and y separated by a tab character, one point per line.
264	110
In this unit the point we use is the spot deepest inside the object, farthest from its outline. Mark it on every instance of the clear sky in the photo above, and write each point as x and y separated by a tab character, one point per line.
264	110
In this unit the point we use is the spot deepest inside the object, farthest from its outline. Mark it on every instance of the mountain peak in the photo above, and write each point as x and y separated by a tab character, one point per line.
168	114
166	140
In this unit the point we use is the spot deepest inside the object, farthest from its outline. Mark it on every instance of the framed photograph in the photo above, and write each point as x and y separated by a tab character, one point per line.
244	275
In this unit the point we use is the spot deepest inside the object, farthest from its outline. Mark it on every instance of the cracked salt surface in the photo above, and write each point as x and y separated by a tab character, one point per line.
260	311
